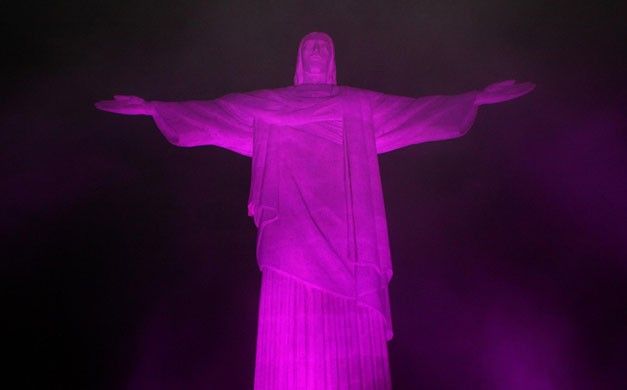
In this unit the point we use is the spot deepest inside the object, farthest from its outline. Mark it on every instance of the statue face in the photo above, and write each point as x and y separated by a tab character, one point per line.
315	63
316	55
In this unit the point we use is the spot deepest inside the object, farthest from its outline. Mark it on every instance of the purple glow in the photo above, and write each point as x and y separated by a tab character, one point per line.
316	199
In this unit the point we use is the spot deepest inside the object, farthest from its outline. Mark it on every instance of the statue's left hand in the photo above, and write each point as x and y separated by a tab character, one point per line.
503	91
127	105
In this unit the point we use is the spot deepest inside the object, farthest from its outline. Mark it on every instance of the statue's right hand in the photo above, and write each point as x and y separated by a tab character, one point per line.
128	105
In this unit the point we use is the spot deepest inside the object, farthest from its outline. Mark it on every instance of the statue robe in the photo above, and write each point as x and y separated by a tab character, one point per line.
316	199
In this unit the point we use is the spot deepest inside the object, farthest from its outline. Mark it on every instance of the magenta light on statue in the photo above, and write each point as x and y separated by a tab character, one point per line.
324	316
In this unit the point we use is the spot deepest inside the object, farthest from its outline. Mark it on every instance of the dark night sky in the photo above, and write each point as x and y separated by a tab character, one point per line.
130	263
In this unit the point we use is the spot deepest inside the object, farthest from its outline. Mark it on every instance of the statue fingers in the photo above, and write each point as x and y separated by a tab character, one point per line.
521	89
527	87
118	107
500	85
107	105
129	99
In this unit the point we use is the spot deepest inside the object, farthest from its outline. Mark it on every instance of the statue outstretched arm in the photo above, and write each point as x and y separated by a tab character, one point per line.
192	123
402	121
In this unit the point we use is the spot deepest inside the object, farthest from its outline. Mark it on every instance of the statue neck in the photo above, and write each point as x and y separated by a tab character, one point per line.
315	78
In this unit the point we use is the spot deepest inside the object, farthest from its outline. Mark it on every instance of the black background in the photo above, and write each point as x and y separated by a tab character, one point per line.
130	263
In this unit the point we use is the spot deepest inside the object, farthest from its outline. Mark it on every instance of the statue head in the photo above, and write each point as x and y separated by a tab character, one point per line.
316	60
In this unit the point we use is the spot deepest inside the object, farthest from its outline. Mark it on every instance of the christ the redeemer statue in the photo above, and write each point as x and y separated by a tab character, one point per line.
322	246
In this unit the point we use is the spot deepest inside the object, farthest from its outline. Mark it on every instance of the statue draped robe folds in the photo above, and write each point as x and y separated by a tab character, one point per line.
316	194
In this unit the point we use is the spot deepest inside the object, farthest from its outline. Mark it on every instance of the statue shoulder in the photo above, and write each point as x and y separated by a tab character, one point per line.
264	93
260	97
364	93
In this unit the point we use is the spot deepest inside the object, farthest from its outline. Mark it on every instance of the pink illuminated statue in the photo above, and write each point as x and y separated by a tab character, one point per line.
324	316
